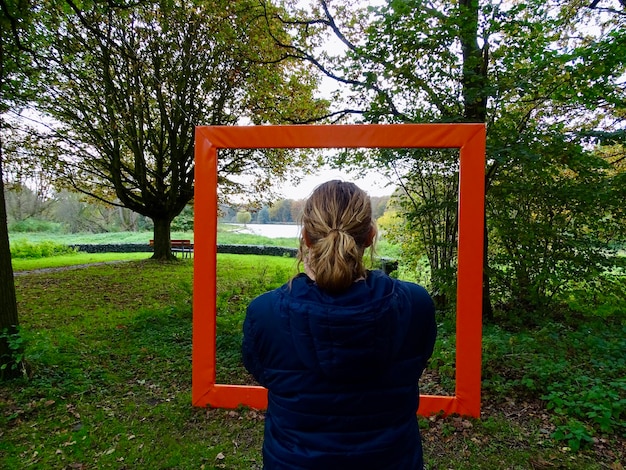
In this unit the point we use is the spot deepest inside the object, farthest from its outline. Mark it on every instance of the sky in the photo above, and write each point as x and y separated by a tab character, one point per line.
373	183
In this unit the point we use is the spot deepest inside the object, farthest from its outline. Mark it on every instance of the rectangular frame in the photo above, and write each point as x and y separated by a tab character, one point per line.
469	138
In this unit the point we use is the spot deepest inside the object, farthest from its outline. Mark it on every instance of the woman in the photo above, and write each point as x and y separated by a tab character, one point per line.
340	349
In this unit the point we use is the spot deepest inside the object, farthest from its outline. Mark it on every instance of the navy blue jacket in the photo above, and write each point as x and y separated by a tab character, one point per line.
341	372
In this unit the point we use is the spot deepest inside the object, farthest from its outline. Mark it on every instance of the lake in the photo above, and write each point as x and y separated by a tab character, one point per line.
271	230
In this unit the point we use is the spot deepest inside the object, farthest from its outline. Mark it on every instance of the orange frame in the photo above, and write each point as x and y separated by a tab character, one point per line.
469	138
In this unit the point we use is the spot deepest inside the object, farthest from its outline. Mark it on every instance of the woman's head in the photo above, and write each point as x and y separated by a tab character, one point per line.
337	227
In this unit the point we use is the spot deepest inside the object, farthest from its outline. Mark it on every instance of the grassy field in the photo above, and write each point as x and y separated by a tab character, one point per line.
109	347
227	234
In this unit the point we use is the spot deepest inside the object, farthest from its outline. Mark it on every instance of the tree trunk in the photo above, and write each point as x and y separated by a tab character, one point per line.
487	306
474	79
10	365
162	239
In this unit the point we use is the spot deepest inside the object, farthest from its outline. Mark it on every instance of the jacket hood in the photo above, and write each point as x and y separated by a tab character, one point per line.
351	336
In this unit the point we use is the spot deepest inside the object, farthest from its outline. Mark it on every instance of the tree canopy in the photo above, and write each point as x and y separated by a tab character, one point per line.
548	80
126	85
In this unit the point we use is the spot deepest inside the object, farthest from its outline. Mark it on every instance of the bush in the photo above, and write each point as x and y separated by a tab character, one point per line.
183	222
34	225
24	249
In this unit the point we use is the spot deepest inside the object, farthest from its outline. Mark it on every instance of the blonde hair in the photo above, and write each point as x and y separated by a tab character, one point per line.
337	227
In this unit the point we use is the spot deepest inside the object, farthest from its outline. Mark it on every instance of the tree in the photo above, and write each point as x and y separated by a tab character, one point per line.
17	75
23	203
297	209
9	363
263	217
280	211
428	201
128	85
542	76
28	183
244	217
379	204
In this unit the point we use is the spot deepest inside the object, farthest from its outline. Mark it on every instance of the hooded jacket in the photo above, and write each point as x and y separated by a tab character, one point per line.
341	372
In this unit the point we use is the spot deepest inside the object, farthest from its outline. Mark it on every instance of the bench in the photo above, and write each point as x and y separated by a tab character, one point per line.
179	246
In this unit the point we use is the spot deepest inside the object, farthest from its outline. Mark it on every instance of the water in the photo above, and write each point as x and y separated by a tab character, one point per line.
271	230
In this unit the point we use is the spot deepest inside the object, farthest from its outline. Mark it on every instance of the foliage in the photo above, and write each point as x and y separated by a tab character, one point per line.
126	138
244	217
19	39
79	213
427	200
34	225
14	357
280	211
24	249
556	217
18	79
263	216
183	222
22	202
283	251
577	370
546	78
71	212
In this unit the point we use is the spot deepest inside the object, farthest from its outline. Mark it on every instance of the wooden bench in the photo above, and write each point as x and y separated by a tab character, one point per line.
179	246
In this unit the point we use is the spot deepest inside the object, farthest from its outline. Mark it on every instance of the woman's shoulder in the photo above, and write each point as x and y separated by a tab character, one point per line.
273	297
415	289
263	301
378	276
414	292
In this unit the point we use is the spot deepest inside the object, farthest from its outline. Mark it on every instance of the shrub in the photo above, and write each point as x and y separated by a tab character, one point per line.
34	225
24	249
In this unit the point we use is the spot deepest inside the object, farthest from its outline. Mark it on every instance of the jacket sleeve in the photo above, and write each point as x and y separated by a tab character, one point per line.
250	350
430	329
426	324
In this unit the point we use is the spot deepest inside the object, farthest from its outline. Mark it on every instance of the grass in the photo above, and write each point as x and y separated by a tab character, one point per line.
111	376
110	352
75	259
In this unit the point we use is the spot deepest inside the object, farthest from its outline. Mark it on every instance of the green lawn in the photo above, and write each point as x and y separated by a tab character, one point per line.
27	264
109	348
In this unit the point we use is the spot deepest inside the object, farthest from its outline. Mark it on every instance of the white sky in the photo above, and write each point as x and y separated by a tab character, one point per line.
373	183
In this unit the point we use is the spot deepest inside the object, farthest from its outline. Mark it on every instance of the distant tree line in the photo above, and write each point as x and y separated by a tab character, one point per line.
285	211
29	210
37	209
